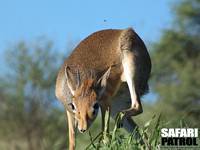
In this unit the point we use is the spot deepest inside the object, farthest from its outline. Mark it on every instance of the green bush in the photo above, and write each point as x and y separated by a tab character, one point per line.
117	140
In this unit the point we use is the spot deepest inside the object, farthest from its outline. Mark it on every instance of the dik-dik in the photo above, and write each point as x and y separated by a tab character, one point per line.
93	73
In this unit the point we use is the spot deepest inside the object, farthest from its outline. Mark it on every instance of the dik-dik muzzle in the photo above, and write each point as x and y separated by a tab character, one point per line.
86	90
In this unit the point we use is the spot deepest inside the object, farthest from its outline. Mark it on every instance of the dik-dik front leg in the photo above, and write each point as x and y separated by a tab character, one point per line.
129	72
105	107
71	126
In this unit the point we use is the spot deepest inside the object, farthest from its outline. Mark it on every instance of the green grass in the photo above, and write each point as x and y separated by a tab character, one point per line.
116	139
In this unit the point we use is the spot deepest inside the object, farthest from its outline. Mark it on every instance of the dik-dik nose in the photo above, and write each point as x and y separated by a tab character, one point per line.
82	130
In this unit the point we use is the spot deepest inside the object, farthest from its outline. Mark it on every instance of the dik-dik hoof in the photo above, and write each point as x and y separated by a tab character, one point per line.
132	111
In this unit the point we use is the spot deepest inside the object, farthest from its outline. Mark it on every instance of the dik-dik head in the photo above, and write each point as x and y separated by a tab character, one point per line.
86	89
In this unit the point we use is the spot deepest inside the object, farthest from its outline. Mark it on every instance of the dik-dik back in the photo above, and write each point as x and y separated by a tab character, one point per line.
103	49
94	71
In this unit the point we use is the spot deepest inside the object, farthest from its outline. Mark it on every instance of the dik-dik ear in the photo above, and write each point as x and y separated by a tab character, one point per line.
73	79
102	82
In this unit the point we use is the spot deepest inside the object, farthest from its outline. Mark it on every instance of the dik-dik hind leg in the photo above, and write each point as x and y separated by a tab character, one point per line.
129	72
127	122
130	126
71	126
119	105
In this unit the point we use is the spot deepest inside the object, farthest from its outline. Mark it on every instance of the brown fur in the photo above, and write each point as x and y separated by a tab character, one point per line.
85	88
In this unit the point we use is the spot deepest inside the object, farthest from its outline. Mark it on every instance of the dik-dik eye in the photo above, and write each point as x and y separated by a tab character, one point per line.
96	106
72	107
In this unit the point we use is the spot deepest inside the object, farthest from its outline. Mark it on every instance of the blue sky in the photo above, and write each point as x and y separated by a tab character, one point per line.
66	21
71	20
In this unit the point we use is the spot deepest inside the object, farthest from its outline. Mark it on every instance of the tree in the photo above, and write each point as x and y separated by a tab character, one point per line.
176	63
30	118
